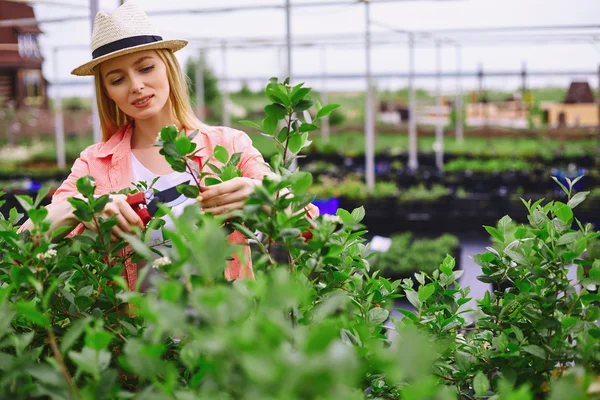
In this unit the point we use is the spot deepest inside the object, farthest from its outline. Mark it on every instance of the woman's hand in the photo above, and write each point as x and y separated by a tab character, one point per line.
126	217
227	196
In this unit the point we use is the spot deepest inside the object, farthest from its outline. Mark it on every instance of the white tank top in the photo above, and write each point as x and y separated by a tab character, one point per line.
177	201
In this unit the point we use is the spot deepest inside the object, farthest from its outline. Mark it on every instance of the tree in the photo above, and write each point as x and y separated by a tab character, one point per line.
211	83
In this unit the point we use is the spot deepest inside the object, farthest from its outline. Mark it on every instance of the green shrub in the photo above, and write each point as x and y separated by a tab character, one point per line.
407	255
312	328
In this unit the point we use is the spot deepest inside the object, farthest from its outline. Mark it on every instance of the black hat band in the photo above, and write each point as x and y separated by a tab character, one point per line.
124	44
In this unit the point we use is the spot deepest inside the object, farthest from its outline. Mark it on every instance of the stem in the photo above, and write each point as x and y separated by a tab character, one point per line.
109	250
108	328
287	141
63	367
116	308
446	378
192	172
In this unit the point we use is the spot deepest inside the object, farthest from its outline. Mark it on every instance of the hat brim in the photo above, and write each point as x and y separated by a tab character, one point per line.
87	69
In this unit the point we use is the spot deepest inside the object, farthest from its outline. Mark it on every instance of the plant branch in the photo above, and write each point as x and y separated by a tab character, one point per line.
63	367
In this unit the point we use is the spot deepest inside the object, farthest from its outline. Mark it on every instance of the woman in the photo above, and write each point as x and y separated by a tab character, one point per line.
140	88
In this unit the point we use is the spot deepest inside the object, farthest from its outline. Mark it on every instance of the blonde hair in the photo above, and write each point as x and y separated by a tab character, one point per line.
112	118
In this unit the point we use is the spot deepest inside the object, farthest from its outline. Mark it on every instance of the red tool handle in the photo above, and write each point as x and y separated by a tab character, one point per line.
137	201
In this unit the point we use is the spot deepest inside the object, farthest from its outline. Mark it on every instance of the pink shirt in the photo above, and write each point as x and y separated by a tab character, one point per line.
109	163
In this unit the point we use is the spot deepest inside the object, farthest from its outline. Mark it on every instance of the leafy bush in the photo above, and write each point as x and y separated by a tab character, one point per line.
421	193
491	165
311	328
406	256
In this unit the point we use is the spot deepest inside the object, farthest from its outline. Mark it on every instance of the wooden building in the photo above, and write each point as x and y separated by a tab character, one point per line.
578	109
21	79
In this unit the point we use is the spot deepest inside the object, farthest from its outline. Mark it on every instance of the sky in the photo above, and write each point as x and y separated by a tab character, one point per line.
419	15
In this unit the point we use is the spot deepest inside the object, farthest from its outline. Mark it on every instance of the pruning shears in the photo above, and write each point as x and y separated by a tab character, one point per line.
145	204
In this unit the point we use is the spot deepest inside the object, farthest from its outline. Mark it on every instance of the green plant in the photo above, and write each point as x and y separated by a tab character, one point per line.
337	118
407	255
309	328
421	193
211	83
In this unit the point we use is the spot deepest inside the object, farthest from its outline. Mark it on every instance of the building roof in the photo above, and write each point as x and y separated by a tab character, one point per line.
10	56
579	92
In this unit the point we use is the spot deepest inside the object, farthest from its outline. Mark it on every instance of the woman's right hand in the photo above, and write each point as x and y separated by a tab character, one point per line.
126	217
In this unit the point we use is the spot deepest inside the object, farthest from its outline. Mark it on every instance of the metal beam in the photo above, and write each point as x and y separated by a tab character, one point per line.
387	75
369	107
413	161
95	116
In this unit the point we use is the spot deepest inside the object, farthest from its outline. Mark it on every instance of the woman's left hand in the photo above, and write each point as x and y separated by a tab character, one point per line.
227	196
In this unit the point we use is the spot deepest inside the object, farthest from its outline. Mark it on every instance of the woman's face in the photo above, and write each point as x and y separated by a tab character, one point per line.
137	83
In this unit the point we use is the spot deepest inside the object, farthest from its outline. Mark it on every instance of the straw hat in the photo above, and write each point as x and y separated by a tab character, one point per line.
127	30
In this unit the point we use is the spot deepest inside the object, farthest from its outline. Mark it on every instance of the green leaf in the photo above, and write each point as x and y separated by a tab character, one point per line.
192	135
275	111
221	154
183	145
349	338
303	105
302	184
561	185
47	375
30	312
86	185
25	201
345	216
326	110
41	195
534	350
97	339
235	159
520	233
298	94
295	143
212	181
37	215
568	238
308	127
73	333
140	247
189	191
568	322
100	203
425	292
230	172
413	298
358	214
494	232
577	199
481	384
251	124
269	125
214	168
91	361
377	316
563	212
168	133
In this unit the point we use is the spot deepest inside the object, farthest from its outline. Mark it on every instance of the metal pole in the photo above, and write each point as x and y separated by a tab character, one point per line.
95	117
482	112
224	86
288	29
59	128
523	88
369	114
598	99
324	95
413	162
439	127
459	128
200	86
